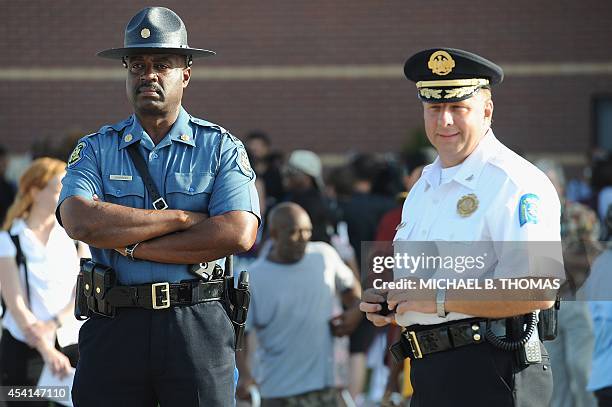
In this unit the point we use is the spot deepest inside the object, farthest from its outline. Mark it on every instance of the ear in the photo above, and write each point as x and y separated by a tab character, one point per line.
186	77
488	110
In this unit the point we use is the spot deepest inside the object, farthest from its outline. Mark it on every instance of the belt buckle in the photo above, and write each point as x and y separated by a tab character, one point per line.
414	345
164	288
161	202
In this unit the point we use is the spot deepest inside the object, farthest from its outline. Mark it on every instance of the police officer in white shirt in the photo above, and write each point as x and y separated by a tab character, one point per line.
477	190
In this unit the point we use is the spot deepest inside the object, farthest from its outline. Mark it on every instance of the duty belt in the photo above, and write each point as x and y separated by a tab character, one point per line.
165	295
420	340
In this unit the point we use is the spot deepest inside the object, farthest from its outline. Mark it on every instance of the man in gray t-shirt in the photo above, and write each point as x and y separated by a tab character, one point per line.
293	291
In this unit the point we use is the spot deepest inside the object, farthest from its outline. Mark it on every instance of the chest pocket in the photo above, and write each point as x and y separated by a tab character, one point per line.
189	191
126	193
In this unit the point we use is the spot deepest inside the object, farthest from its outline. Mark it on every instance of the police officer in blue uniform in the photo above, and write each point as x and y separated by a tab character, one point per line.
168	340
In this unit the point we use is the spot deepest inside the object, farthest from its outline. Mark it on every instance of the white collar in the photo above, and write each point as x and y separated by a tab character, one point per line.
470	169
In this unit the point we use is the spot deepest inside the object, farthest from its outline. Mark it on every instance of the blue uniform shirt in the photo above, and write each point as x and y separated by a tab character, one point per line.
198	166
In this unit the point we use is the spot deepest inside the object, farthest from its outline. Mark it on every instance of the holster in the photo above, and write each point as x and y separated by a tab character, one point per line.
239	298
81	310
548	322
95	280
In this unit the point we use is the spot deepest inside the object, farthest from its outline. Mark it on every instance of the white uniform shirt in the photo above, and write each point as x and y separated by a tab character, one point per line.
52	271
501	181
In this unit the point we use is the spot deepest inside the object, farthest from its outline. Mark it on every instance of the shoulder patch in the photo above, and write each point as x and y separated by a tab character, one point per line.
244	163
529	208
77	154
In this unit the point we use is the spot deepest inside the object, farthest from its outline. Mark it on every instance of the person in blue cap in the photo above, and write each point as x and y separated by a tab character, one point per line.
165	338
468	347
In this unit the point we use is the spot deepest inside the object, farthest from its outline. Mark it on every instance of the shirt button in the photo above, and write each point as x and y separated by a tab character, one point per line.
191	189
118	191
423	232
155	155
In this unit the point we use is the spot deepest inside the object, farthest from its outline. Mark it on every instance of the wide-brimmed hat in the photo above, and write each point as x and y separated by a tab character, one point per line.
155	30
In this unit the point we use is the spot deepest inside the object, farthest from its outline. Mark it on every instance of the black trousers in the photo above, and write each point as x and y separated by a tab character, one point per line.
479	375
21	365
604	397
181	356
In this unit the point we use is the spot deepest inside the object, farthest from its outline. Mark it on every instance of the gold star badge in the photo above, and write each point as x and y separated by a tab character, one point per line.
185	137
145	33
128	138
467	205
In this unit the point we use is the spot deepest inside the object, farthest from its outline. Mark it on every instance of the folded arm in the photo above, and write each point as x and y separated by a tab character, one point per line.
214	238
107	226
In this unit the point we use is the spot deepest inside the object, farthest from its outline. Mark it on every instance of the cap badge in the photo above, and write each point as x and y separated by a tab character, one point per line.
145	33
441	63
467	205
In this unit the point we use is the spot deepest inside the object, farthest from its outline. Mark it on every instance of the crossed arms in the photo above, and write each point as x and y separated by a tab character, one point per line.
169	236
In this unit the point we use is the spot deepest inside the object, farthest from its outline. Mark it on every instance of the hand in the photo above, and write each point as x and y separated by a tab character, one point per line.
57	362
244	384
406	300
371	304
40	331
345	323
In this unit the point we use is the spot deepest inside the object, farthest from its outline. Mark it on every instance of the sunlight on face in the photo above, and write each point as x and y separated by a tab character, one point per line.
456	128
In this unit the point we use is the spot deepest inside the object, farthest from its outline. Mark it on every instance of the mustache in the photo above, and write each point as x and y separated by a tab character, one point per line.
149	86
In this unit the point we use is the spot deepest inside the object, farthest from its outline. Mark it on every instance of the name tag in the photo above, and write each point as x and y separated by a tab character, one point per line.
120	177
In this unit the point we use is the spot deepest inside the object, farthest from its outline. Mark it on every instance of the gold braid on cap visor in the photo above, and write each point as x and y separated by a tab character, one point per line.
460	88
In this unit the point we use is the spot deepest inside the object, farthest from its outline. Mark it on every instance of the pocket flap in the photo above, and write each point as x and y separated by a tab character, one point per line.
119	188
189	183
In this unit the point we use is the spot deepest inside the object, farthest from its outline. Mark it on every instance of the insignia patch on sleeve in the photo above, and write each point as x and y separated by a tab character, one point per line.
243	162
529	207
77	154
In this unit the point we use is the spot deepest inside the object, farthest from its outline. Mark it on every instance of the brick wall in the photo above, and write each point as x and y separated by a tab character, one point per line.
536	113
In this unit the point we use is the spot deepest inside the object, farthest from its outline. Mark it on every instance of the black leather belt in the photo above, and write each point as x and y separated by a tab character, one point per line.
165	295
420	340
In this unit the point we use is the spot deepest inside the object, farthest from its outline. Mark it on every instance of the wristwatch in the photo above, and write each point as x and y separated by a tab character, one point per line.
440	299
129	250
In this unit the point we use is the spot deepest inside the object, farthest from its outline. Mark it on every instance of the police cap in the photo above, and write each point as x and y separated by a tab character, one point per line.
155	30
444	75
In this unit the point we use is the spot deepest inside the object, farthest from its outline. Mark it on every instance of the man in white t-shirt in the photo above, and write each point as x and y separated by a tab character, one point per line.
293	292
